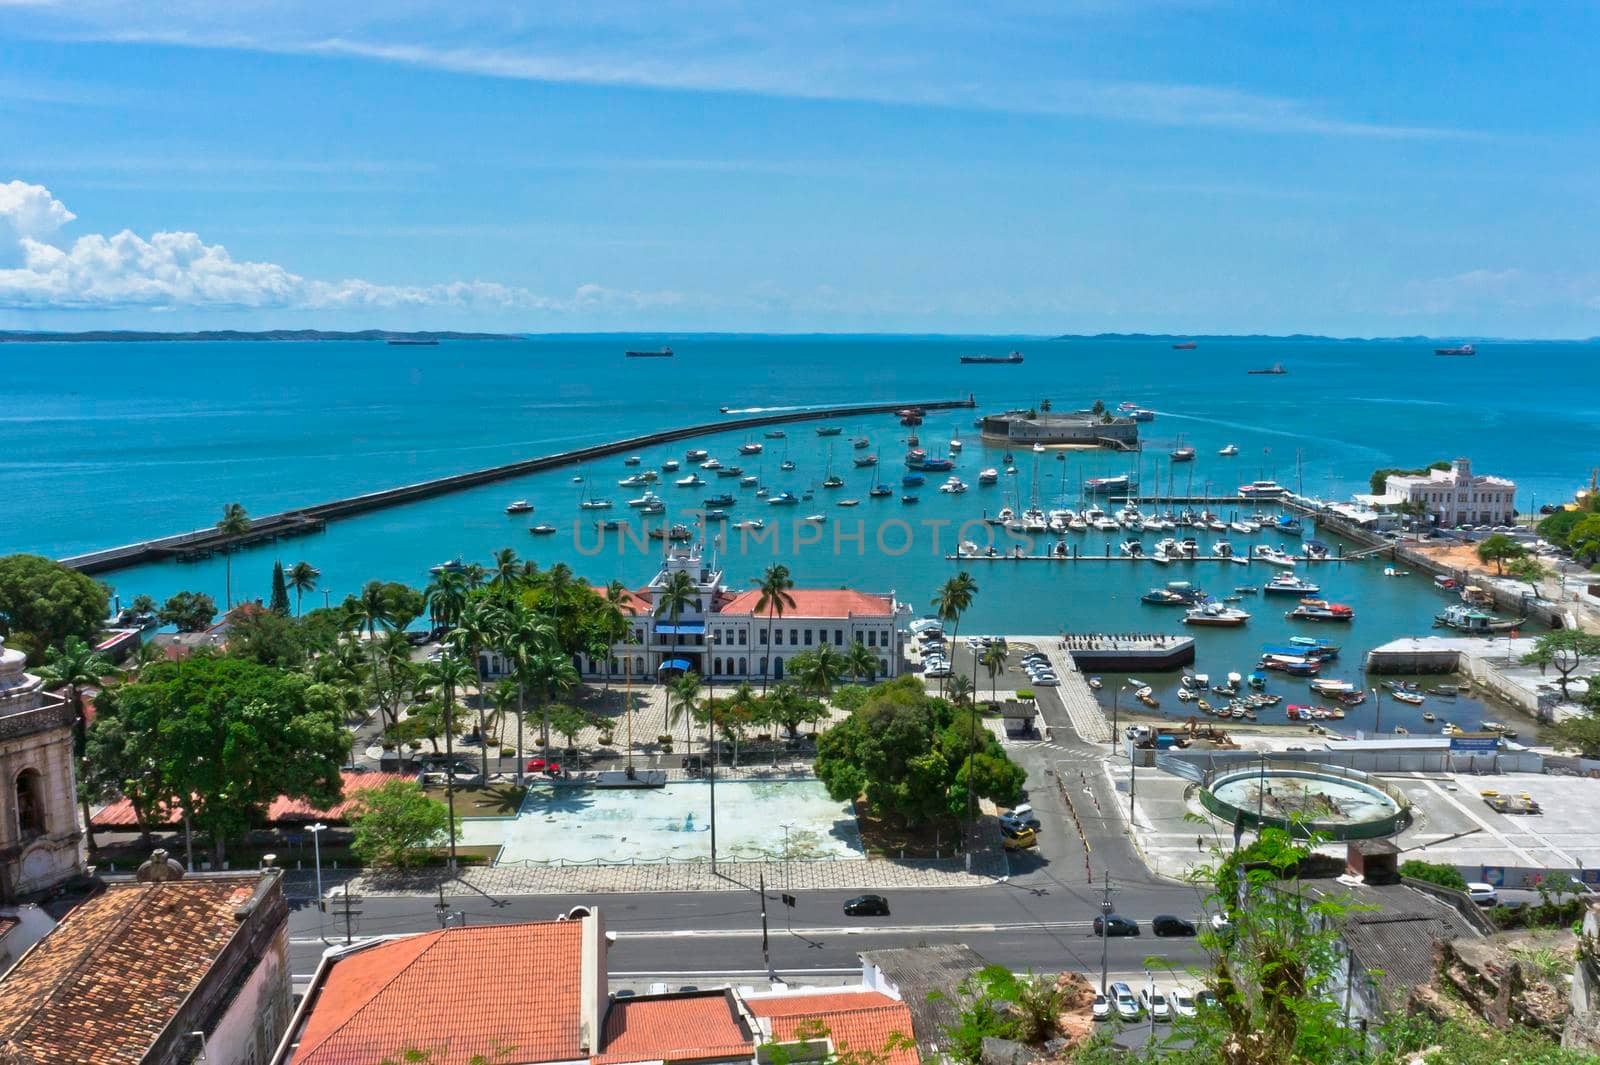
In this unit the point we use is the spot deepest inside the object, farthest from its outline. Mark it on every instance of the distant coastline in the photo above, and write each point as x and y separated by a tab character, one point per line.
123	335
1313	338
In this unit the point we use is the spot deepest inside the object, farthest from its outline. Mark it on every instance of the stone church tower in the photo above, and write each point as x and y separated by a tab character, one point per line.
41	843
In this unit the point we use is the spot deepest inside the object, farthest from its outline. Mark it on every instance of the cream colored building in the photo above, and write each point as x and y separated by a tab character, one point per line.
41	842
1456	496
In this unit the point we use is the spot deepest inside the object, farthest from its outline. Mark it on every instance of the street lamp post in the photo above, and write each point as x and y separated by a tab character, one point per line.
316	831
1105	933
1377	706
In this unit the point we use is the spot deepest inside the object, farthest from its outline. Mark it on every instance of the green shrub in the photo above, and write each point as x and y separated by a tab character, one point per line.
1434	873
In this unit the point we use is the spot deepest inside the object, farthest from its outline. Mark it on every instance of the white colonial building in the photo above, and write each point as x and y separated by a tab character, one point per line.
41	844
724	639
1456	496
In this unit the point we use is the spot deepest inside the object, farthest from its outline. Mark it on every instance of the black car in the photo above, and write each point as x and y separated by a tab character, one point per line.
867	906
1116	925
1168	925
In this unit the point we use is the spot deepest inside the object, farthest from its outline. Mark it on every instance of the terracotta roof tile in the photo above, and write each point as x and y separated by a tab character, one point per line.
799	1002
107	980
867	1025
817	603
458	992
694	1027
119	814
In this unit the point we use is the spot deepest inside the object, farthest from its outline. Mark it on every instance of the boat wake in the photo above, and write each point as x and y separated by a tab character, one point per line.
776	410
1265	431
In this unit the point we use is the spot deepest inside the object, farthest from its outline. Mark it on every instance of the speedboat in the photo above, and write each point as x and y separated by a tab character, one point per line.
1321	610
749	480
696	455
648	499
715	515
669	466
955	445
711	464
878	491
989	476
953	486
1132	548
787	464
731	471
633	481
783	499
542	530
1290	584
632	460
866	460
750	448
908	499
775	434
520	506
861	443
815	518
1216	614
692	481
1271	556
849	502
750	523
1035	521
1229	449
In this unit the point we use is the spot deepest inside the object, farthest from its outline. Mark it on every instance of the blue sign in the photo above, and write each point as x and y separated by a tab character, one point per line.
1494	875
1489	742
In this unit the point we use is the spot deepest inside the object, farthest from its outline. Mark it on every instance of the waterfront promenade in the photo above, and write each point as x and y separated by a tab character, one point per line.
200	542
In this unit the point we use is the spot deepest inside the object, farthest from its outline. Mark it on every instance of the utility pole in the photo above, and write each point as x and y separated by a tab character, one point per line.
347	906
316	831
713	753
766	955
1377	706
1105	933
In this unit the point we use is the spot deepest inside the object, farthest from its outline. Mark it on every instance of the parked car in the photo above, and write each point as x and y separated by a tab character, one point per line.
1154	1003
1046	682
1126	1001
1182	1001
1168	925
1116	925
1101	1008
1018	839
540	765
867	906
1204	999
1023	815
1483	894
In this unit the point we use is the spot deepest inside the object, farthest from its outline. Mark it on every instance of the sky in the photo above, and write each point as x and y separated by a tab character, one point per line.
1013	166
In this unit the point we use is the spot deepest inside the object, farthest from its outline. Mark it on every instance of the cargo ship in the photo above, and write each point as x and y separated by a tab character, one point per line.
1465	349
663	353
1013	357
1186	345
1274	370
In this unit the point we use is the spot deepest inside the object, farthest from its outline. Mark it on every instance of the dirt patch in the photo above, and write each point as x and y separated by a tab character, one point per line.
1456	557
890	837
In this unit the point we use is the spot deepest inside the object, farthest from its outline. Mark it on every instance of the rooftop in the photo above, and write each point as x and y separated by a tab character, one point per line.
818	603
456	993
914	972
867	1023
701	1026
106	982
120	814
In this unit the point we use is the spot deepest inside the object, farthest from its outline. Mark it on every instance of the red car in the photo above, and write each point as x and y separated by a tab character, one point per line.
539	765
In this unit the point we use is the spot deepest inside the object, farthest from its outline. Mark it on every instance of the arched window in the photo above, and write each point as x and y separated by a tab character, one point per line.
777	669
30	804
638	666
744	666
716	666
883	667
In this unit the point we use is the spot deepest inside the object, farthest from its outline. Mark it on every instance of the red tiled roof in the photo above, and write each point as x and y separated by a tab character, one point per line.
694	1027
817	603
108	979
865	1022
456	993
283	809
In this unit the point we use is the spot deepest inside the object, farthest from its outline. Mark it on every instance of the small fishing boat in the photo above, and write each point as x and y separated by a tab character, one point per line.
908	499
865	461
911	480
861	443
1229	449
1096	683
783	499
750	447
715	515
1427	715
696	454
829	430
786	465
633	481
542	530
649	499
594	503
815	518
953	486
520	506
989	476
878	491
723	499
674	533
1290	584
1409	698
632	460
694	480
775	434
670	466
608	524
849	502
711	464
750	523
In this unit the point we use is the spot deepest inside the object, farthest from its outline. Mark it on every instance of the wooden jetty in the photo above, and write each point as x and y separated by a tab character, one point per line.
201	543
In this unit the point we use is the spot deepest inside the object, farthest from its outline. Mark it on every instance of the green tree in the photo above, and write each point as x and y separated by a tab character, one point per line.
188	611
269	638
1379	480
235	523
818	671
396	823
1565	649
1584	539
448	677
569	722
279	603
1558	526
996	1003
142	604
445	598
861	662
1434	873
775	585
907	753
227	736
1529	570
43	602
1581	731
788	708
687	690
960	690
112	766
1499	549
302	578
954	599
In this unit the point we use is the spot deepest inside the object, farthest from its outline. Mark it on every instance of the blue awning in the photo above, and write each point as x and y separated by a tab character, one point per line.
674	663
686	628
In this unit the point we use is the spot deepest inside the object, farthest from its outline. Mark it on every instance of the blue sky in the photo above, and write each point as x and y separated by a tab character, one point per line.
1015	166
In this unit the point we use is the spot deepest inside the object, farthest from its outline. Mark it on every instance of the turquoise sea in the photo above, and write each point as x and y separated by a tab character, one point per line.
111	443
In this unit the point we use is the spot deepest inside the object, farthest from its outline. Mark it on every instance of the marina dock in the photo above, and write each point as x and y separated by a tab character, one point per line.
1078	556
201	543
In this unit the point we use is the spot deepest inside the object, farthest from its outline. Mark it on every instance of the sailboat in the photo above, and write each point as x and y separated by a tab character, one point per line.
832	480
878	489
593	502
787	463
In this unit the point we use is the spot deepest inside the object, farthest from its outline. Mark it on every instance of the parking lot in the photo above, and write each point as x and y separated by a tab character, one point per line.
936	658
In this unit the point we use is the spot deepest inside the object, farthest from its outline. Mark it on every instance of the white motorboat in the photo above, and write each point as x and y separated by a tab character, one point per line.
520	506
694	480
647	500
1216	614
594	503
670	466
989	476
633	481
696	455
750	523
953	486
1132	548
1271	556
711	464
1229	449
1035	521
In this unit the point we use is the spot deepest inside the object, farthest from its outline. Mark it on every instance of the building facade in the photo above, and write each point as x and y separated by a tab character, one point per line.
722	636
1456	496
41	842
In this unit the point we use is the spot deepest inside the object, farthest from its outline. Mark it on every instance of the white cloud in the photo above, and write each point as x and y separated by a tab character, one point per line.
172	270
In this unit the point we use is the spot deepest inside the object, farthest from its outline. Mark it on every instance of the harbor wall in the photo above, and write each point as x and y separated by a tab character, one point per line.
313	518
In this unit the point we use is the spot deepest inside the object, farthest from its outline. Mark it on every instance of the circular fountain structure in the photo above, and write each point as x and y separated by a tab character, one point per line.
1327	800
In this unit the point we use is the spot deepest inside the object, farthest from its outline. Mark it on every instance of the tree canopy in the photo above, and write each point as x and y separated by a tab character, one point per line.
1380	477
229	736
188	611
1565	649
907	753
396	823
1500	549
43	602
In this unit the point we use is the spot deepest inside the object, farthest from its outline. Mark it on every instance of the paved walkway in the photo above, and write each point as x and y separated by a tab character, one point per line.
1084	711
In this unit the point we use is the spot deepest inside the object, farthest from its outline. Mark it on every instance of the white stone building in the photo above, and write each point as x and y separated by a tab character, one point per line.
1456	496
724	639
41	842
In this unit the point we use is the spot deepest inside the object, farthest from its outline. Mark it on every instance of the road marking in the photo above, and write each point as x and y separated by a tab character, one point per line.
859	930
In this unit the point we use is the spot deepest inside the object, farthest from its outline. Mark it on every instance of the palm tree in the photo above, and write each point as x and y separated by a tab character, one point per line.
75	665
446	598
235	522
687	689
373	610
994	664
740	710
551	674
612	624
960	689
302	578
775	586
525	635
676	596
507	572
860	662
480	622
955	597
818	671
447	676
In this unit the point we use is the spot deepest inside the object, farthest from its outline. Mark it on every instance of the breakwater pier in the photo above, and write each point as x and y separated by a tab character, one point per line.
202	543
